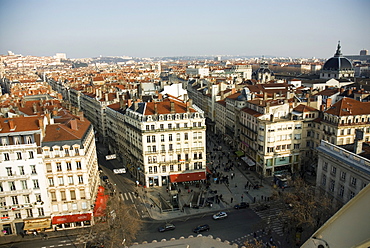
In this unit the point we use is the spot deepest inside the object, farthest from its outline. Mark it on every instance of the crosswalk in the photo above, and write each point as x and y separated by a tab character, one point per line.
129	196
272	217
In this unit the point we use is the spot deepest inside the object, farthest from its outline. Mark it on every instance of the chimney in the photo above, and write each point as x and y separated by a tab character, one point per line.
129	103
41	123
74	124
358	141
233	90
81	115
265	96
155	108
11	125
172	104
349	92
322	107
328	103
189	103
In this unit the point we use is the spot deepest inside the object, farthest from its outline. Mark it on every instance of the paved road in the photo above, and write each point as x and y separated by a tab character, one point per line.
237	228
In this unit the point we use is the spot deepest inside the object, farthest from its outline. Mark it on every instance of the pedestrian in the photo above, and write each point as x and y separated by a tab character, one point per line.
242	197
254	234
232	199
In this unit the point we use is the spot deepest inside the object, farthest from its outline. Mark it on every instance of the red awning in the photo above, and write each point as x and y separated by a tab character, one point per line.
100	203
70	218
186	177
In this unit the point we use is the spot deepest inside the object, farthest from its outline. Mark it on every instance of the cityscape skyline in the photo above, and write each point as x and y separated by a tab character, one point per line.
166	28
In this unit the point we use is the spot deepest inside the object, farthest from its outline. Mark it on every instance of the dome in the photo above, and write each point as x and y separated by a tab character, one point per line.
338	62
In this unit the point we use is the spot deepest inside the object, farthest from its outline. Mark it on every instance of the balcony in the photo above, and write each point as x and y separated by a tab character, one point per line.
14	177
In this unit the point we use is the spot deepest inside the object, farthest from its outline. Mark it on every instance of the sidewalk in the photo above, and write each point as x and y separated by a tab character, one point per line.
239	188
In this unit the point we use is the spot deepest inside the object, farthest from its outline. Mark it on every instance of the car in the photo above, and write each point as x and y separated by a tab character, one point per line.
219	215
201	228
241	205
166	227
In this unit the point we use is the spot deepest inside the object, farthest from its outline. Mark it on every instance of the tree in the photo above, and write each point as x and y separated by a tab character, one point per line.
306	209
118	227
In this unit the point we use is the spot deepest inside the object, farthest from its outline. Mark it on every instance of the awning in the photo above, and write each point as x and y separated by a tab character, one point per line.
248	161
239	153
71	218
37	224
187	177
100	202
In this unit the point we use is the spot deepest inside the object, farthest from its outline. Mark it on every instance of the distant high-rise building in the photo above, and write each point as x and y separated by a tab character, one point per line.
364	52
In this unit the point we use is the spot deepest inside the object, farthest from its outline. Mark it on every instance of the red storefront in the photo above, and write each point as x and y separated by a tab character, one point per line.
73	218
187	177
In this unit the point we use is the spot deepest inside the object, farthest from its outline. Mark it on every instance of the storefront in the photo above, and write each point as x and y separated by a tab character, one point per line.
37	224
73	220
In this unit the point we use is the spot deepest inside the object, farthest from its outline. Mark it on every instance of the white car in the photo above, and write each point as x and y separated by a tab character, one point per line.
219	215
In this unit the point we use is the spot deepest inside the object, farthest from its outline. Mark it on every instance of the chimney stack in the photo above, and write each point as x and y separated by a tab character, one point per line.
81	115
11	125
74	124
172	104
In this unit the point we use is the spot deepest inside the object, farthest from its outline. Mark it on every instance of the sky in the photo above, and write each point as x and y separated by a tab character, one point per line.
159	28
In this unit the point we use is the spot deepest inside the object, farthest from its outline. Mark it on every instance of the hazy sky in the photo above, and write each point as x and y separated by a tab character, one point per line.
147	28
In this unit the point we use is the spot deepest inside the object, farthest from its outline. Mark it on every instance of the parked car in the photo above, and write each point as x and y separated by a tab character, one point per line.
201	228
219	215
241	205
166	227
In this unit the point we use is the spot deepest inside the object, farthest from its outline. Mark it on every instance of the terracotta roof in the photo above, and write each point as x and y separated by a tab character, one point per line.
20	124
164	107
349	107
64	131
304	108
251	112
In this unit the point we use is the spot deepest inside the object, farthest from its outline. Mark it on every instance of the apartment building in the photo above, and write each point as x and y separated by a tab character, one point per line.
165	142
23	186
343	171
71	170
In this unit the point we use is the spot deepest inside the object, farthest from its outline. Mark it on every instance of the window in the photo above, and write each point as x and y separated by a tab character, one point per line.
70	180
150	169
6	156
179	167
298	126
332	185
78	165
73	194
1	187
82	194
325	166
187	167
38	198
170	137
147	127
24	184
149	148
60	180
59	167
33	169
66	152
30	154
2	202
323	180
353	181
29	213
170	147
12	186
152	127
4	141
161	126
69	166
9	171
21	170
351	194
15	200
178	137
155	169
48	167
40	211
148	139
171	167
77	151
26	198
343	175
153	138
83	205
170	126
163	168
51	181
185	125
80	179
297	136
18	215
36	184
270	149
186	136
162	137
333	170
17	140
177	124
199	124
296	146
19	155
63	195
200	156
341	191
74	206
154	148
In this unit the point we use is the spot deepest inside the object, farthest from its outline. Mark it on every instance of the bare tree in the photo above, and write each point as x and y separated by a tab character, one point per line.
305	211
118	227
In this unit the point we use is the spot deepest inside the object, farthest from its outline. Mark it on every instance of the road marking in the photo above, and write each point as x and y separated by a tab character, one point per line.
131	197
122	197
125	195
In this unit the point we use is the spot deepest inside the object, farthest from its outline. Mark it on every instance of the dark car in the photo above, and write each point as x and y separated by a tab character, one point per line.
166	227
241	205
201	228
